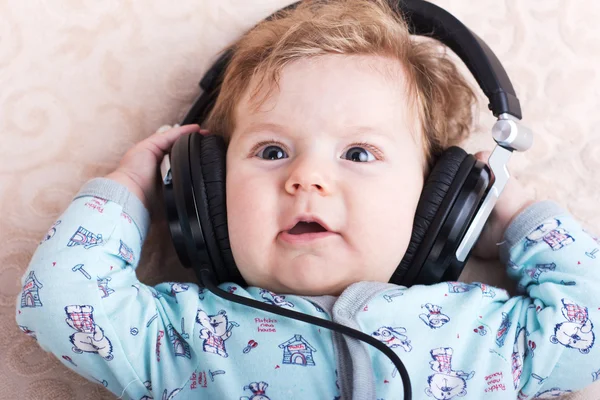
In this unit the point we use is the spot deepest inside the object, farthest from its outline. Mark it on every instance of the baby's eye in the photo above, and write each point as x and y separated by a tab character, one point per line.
271	153
359	154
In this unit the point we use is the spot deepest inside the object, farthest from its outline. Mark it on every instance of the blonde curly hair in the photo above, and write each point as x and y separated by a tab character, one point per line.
438	94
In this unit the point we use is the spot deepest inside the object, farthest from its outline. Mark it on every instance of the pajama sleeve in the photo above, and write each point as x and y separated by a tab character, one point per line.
548	333
541	343
82	301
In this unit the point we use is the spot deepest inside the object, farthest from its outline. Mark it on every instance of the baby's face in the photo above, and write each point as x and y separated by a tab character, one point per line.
341	146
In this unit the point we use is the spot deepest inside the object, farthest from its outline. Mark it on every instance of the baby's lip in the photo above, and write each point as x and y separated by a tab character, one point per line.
307	218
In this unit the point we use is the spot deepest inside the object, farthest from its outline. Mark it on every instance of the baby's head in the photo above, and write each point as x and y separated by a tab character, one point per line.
334	111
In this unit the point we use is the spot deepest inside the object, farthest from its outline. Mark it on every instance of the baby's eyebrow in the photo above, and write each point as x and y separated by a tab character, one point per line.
346	131
264	126
367	130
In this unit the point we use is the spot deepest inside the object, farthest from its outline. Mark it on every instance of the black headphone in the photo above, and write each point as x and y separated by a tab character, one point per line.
457	198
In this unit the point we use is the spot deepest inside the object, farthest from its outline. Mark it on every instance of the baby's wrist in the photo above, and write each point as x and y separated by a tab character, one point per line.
508	216
123	179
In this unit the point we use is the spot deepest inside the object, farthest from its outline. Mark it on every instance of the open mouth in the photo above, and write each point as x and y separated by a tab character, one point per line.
306	227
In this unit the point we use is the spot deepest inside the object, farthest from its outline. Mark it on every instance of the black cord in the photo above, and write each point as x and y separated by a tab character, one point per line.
207	279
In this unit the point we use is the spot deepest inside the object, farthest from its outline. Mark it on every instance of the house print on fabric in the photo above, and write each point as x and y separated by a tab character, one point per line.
181	348
30	296
85	238
297	351
126	253
503	330
549	232
103	286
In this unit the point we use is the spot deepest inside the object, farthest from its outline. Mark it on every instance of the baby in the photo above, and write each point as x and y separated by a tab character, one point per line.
352	87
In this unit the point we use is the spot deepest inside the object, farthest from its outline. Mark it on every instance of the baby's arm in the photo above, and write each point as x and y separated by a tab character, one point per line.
548	334
82	301
522	346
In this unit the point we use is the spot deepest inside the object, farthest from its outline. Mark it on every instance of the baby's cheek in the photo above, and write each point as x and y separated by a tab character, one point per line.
247	246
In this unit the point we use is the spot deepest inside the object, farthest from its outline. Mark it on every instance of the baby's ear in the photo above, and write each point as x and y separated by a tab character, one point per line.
553	339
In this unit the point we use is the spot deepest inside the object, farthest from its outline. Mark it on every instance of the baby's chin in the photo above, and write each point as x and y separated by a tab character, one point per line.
334	290
305	276
303	287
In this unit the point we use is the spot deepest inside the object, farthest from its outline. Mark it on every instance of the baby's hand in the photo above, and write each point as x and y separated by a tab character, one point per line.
513	199
138	168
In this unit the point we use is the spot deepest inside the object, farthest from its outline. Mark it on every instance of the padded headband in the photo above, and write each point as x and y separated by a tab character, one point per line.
423	19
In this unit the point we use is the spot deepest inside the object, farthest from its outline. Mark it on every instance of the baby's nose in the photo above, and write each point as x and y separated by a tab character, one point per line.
306	186
310	176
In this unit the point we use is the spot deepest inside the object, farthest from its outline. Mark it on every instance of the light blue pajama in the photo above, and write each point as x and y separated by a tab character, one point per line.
82	301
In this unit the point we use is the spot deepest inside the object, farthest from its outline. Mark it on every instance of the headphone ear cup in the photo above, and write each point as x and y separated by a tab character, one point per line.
207	161
444	176
180	206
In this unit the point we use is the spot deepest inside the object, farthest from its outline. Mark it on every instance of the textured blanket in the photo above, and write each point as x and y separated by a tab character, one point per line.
81	81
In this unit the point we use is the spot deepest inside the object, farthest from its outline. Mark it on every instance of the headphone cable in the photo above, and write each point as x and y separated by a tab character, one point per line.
208	281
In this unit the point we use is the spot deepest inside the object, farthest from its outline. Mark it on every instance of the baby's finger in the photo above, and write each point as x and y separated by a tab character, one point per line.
484	157
177	130
163	140
164	128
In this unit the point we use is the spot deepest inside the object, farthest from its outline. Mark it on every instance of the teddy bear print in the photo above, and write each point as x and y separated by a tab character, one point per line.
577	331
258	391
89	337
434	318
393	337
275	299
446	383
216	329
178	288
